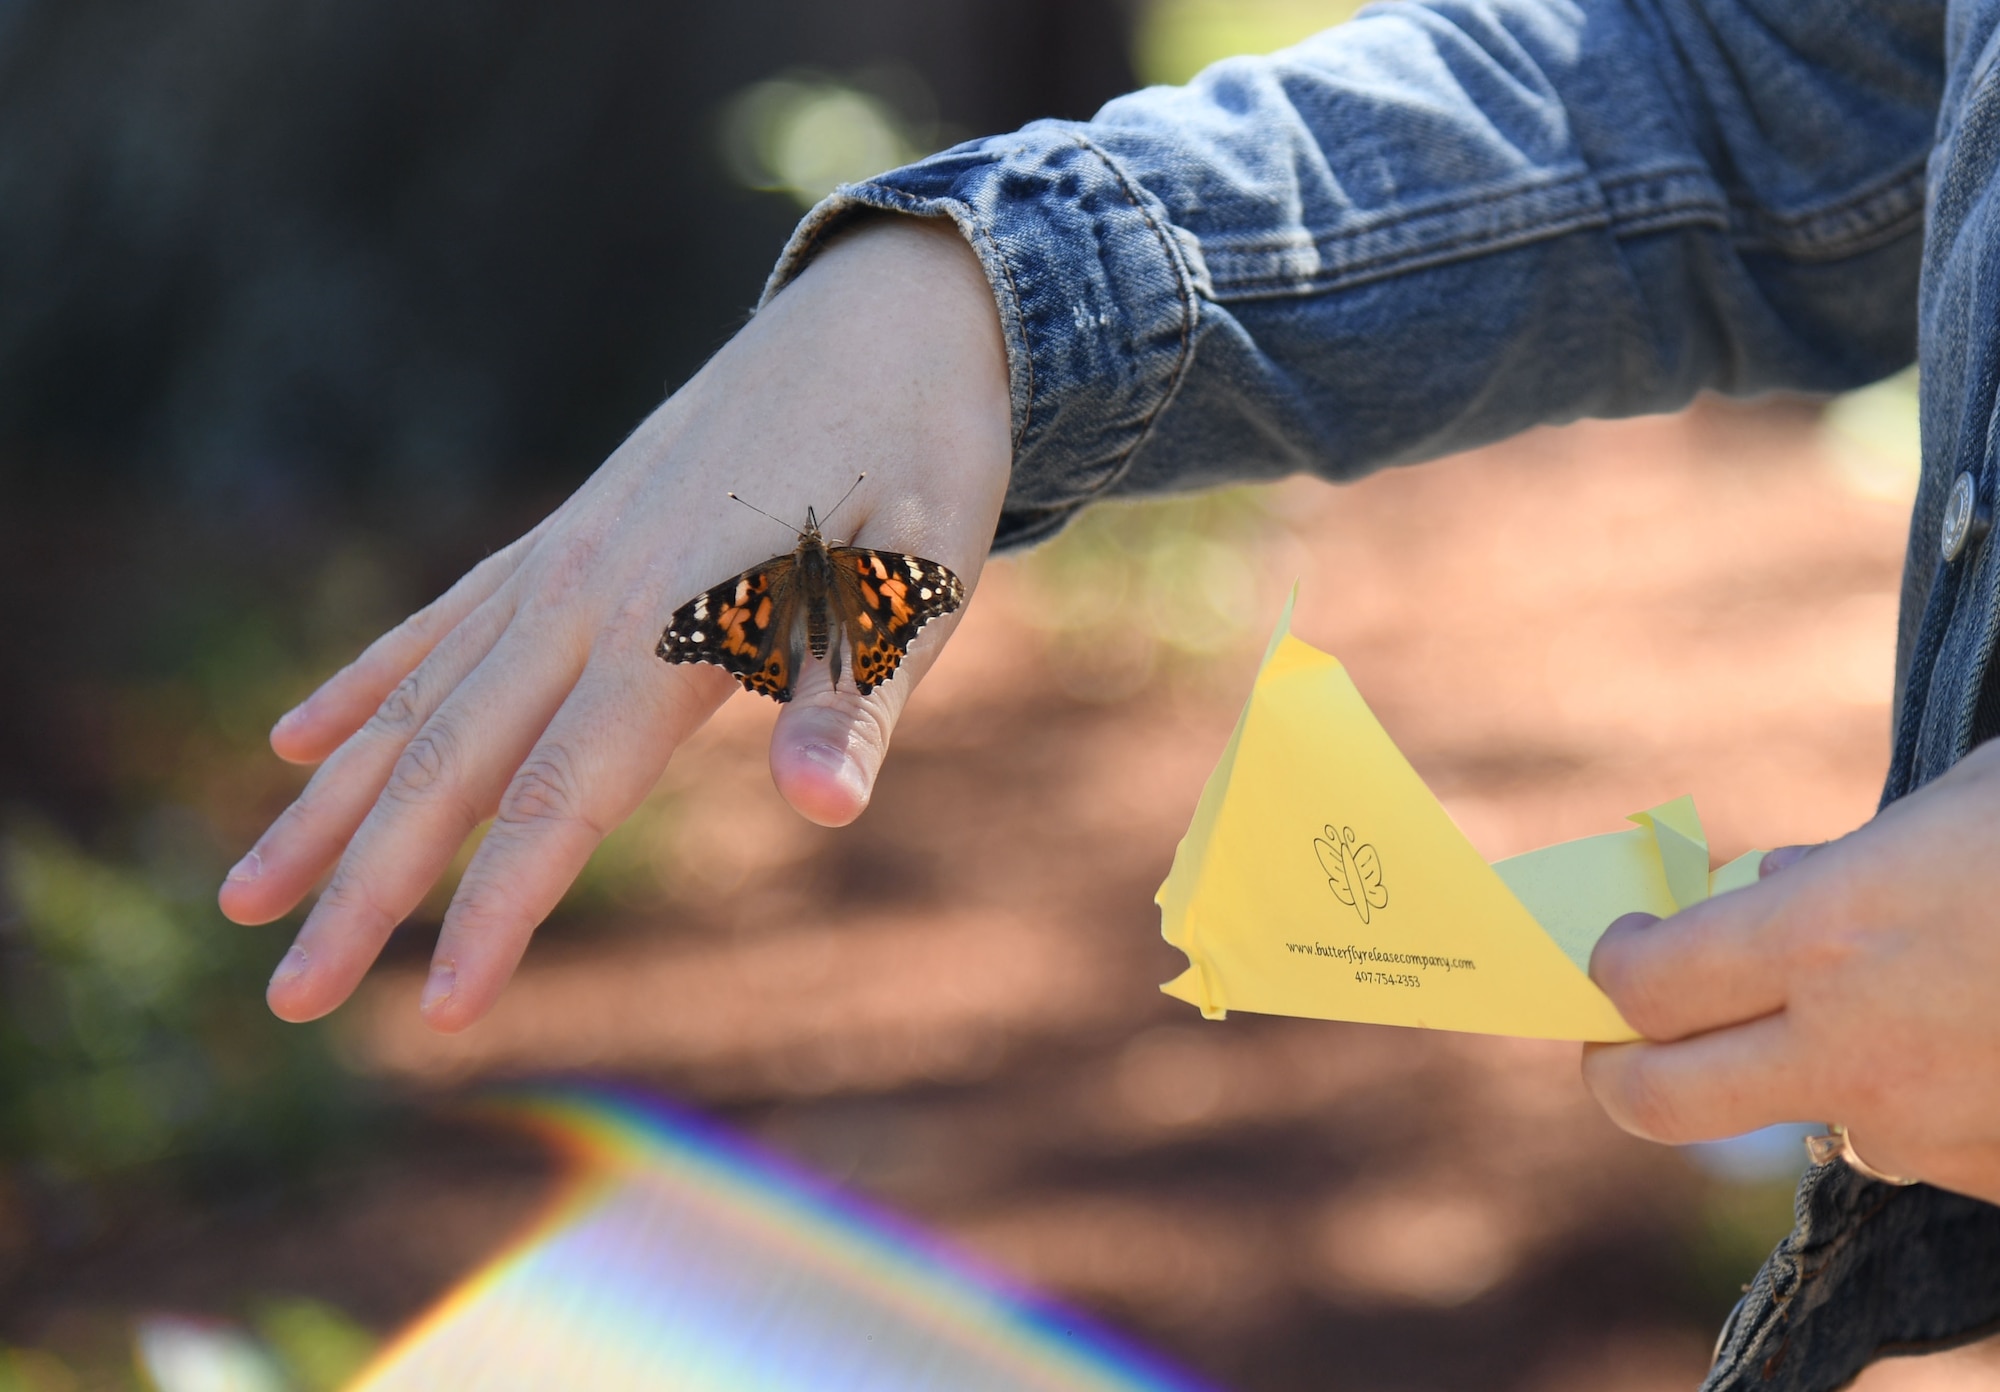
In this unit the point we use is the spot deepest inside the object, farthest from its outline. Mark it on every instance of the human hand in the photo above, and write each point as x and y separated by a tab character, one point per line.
530	691
1858	983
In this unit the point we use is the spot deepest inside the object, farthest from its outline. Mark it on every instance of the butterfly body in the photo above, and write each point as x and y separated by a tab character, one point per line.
1353	870
818	600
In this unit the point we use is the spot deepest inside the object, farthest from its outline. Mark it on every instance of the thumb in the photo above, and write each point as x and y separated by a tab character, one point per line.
830	740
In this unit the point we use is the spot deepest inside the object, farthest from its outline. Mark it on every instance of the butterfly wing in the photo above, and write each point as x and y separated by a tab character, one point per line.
744	626
1368	867
881	599
1333	859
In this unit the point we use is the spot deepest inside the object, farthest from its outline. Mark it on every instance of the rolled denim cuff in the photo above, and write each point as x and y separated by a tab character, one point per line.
1869	1271
1097	293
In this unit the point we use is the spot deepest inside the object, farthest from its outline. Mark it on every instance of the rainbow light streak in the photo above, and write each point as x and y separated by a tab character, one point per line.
679	1260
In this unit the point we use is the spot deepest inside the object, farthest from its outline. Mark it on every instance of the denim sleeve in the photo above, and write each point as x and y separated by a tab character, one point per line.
1437	225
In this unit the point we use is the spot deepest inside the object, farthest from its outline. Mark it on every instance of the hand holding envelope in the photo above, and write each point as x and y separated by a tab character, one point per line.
1321	878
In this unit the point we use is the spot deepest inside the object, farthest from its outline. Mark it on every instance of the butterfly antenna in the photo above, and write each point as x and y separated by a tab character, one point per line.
761	513
844	497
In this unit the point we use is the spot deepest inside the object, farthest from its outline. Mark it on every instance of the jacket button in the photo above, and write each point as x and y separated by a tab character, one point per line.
1965	520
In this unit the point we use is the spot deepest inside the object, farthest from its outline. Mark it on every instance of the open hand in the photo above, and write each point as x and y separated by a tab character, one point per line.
1858	983
530	692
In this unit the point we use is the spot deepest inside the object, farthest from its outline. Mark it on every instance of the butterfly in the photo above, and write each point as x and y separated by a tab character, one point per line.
759	626
1353	872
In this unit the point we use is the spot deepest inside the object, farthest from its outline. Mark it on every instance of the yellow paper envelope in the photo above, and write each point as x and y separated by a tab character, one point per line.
1321	878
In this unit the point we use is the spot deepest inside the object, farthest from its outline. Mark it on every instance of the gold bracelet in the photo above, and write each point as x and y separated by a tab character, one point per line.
1837	1144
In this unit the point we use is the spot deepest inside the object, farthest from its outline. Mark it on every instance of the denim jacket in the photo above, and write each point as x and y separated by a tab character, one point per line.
1446	221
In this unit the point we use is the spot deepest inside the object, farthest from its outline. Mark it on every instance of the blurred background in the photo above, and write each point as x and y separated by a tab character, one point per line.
305	306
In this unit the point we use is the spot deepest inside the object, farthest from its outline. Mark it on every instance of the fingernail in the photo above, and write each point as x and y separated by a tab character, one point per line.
1783	858
246	869
438	989
289	719
291	968
838	763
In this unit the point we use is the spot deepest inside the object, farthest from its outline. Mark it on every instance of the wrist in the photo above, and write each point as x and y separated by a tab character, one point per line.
904	305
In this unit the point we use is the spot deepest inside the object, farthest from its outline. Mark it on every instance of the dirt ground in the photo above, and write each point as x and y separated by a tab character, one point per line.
952	1006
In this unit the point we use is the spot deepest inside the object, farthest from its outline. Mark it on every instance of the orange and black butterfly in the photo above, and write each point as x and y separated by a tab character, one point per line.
759	626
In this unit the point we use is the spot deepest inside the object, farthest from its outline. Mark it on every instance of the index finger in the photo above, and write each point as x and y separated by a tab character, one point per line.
1711	965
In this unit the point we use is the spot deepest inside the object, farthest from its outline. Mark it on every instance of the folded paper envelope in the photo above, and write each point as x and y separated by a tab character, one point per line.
1321	878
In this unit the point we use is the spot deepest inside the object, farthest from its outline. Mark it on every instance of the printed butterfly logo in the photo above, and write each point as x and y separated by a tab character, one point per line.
760	625
1353	872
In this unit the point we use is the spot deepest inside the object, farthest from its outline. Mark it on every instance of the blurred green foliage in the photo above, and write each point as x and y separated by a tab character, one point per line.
318	1346
1132	591
1175	39
805	132
1872	438
288	1344
1735	1227
35	1370
137	1058
134	1030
